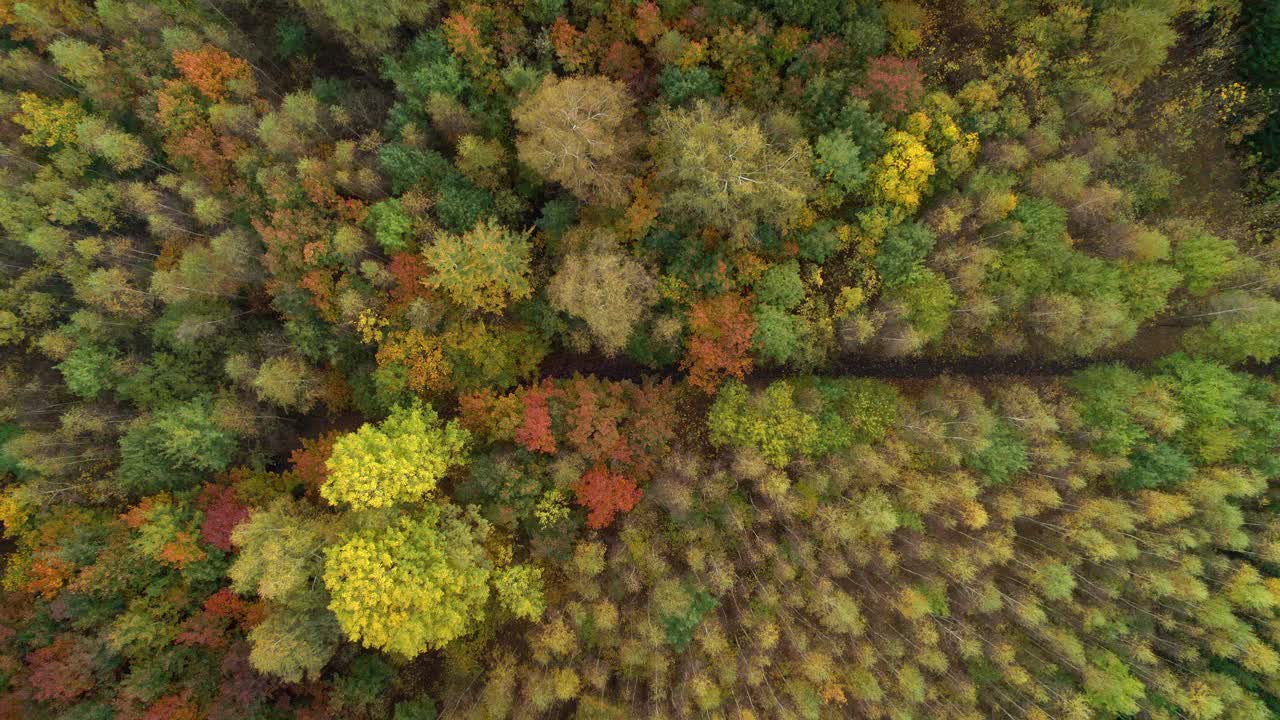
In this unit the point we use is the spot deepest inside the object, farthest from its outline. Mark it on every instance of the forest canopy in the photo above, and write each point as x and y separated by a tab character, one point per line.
604	359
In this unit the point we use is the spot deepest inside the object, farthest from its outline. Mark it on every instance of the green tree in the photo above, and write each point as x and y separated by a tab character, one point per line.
174	448
288	382
1131	42
280	560
770	423
368	27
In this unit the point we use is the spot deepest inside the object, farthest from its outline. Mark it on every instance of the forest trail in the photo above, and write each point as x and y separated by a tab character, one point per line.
1151	343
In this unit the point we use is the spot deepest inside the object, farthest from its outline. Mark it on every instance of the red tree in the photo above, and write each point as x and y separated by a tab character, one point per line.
61	671
605	494
222	512
893	84
534	432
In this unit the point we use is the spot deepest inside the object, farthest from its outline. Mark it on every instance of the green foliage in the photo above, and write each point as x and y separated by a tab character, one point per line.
1155	466
681	85
89	370
770	423
1105	396
235	231
679	628
483	269
423	708
174	448
839	161
1204	260
1003	458
901	254
780	286
391	225
777	333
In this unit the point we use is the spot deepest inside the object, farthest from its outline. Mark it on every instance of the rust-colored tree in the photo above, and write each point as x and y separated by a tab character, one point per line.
721	329
605	494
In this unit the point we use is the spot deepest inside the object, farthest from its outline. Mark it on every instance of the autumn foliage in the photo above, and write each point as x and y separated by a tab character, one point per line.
605	494
719	345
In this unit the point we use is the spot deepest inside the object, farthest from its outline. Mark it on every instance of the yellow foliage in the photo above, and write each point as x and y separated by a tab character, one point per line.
370	327
48	123
413	587
901	176
398	461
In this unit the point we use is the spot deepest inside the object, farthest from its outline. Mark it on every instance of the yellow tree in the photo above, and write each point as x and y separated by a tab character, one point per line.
412	587
723	168
400	460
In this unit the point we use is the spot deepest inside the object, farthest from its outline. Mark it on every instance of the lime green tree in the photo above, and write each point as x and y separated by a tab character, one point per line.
399	460
484	269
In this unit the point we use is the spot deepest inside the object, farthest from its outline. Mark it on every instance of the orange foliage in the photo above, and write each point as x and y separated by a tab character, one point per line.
649	25
309	460
720	341
605	494
182	550
422	358
408	269
568	44
48	576
209	69
491	415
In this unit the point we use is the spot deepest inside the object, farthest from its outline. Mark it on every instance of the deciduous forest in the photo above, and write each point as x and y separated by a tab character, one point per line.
652	359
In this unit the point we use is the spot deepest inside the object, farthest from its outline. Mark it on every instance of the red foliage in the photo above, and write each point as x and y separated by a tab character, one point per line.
651	425
242	687
594	410
622	61
894	84
209	69
212	626
61	671
720	341
605	494
222	512
613	424
173	707
534	432
309	460
409	270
